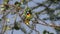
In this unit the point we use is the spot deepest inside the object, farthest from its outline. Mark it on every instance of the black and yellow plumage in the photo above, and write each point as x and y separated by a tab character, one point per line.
28	15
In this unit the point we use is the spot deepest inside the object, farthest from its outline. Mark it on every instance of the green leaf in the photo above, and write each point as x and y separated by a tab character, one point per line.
17	4
57	28
6	28
16	27
44	32
3	9
51	33
0	19
6	1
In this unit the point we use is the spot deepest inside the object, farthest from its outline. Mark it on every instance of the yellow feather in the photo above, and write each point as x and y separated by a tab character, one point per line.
27	22
28	15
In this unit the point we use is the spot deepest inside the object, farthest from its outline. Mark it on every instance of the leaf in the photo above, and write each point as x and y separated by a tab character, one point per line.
24	1
6	1
57	28
51	33
7	19
16	26
0	19
6	28
3	9
17	4
44	32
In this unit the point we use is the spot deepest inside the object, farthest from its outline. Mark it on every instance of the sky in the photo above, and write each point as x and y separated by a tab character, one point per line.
39	27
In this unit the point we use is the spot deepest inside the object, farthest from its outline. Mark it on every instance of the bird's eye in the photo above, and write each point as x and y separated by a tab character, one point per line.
28	13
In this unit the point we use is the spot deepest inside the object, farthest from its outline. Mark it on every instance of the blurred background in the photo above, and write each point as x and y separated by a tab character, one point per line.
46	17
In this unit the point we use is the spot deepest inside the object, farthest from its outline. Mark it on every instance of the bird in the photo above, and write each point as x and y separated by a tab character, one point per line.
28	15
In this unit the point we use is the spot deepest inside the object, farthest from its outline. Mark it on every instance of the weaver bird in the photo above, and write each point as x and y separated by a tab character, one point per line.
28	15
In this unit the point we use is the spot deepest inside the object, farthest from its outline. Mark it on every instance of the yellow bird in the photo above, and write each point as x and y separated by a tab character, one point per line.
28	15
